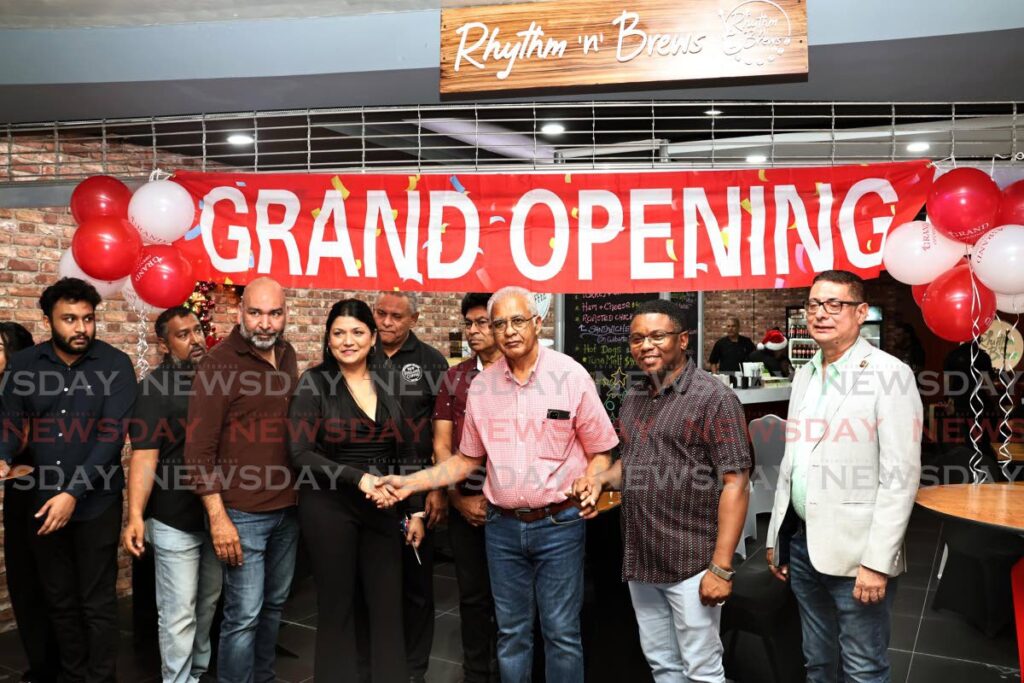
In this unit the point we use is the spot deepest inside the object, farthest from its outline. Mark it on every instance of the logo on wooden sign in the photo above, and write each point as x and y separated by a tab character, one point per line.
566	43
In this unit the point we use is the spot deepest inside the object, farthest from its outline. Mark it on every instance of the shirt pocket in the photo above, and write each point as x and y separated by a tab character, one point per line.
557	437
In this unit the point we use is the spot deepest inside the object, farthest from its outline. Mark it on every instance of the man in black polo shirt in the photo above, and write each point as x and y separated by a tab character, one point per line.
188	573
74	395
420	368
729	352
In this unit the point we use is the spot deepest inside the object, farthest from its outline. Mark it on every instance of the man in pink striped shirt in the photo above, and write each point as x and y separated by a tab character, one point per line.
536	417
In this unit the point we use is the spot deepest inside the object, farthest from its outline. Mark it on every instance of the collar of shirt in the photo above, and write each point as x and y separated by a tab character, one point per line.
238	343
681	383
533	371
47	351
834	368
410	345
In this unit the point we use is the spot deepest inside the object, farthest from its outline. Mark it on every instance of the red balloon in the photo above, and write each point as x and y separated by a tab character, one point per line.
163	276
1011	206
918	291
963	204
100	196
106	248
948	306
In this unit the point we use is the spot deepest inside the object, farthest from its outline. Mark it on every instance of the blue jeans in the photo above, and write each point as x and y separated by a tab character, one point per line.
537	565
254	594
188	581
678	634
839	633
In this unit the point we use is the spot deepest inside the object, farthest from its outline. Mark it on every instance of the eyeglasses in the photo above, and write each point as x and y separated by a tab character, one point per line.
657	337
481	323
831	306
517	323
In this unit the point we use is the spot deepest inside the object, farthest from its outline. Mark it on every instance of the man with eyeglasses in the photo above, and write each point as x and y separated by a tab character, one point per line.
846	487
469	506
683	473
536	417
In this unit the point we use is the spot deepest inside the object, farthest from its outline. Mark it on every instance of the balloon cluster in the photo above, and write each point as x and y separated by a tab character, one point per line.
967	260
124	240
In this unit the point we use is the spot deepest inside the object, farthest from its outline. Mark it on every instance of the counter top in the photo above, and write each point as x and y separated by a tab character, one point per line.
772	394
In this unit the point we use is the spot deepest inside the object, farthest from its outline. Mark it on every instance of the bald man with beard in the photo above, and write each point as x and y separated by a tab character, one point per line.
238	450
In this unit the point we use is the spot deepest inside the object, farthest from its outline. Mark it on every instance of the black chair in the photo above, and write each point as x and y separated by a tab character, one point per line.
765	607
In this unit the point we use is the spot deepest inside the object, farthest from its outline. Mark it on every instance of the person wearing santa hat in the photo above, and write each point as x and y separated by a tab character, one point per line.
772	352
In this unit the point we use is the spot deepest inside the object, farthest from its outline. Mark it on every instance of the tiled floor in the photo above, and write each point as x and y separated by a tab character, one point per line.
927	646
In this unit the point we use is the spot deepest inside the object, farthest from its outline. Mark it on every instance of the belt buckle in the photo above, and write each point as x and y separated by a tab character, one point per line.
519	512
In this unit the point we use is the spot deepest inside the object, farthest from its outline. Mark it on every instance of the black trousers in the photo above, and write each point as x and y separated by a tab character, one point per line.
78	569
354	545
476	606
26	588
418	605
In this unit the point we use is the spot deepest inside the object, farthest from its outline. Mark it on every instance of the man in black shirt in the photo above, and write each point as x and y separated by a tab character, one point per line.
729	352
420	368
73	395
164	510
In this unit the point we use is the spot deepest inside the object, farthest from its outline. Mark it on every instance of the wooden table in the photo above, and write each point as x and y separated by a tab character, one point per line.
995	505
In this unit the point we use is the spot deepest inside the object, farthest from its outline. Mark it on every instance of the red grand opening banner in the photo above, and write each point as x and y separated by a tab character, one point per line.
644	231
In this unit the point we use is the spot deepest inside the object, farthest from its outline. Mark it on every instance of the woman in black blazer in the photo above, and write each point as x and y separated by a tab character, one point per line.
346	432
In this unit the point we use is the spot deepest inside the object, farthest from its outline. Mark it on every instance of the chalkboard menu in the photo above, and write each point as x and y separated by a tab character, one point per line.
595	332
690	303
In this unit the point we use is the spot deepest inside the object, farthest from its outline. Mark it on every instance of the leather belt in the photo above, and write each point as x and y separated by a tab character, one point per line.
533	514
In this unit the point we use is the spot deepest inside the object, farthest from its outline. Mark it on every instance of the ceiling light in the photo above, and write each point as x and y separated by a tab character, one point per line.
240	139
918	147
713	112
756	159
552	128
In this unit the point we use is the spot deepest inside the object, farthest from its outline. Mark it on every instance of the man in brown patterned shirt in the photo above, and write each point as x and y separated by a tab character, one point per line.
684	480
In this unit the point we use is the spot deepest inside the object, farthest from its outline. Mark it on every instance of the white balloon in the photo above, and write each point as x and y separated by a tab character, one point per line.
67	267
135	302
916	253
998	259
1010	303
162	211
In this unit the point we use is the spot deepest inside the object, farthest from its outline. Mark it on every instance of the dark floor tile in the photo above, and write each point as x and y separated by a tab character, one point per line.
904	631
446	593
957	639
297	646
447	638
302	601
928	669
899	665
442	671
910	600
444	569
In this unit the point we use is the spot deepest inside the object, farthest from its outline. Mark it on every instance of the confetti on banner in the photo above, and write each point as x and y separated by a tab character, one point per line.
457	184
497	219
670	247
413	180
394	214
893	207
792	227
869	244
228	281
340	187
551	242
762	176
725	237
359	264
444	228
817	189
316	213
575	212
201	204
568	177
193	233
779	283
240	183
746	206
252	260
800	257
378	232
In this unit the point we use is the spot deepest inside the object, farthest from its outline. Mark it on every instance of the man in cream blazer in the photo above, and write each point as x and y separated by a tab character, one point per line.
846	487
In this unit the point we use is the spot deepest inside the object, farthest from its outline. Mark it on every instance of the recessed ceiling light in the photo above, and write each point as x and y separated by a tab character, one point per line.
756	159
240	139
552	128
713	112
918	147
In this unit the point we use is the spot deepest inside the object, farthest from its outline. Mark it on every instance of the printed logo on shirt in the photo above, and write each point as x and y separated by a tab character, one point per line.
411	372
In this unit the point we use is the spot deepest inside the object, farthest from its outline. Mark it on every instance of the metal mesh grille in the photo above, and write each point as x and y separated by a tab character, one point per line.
498	137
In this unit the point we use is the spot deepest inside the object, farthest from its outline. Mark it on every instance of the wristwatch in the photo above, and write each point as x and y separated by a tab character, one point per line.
721	573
